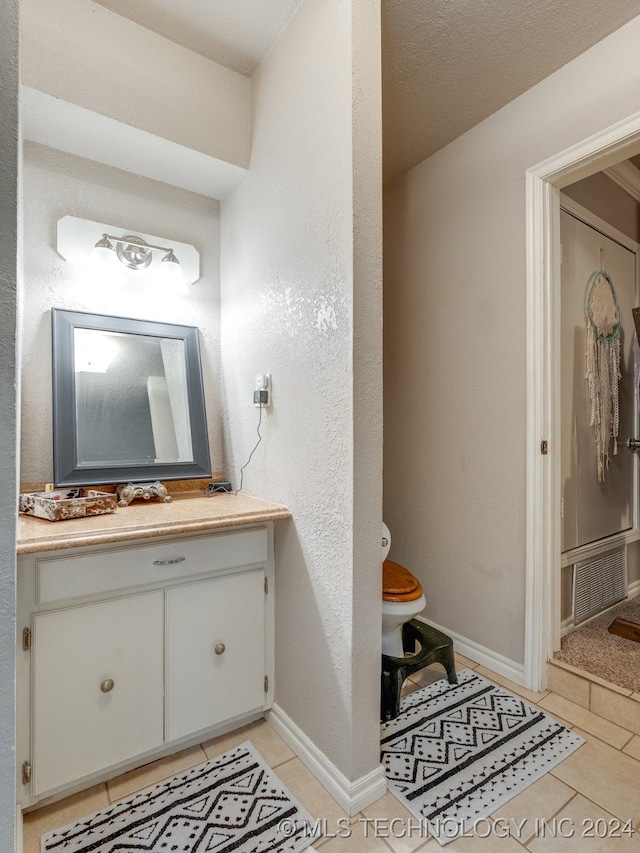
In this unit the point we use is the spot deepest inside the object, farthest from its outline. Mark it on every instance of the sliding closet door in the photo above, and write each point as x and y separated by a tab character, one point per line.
593	510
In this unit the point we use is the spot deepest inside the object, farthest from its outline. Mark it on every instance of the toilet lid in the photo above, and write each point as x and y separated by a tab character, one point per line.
398	584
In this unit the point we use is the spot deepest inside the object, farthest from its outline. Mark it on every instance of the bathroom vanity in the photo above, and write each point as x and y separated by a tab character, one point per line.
140	633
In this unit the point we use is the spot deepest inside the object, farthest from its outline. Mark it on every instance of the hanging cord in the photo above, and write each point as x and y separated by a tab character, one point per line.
239	489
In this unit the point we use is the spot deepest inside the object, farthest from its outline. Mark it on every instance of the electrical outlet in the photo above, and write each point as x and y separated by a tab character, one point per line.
262	390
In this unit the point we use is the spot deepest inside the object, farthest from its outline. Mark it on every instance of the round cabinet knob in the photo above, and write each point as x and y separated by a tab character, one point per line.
220	649
107	685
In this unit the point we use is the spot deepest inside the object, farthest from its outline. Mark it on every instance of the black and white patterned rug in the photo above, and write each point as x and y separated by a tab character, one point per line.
231	804
458	751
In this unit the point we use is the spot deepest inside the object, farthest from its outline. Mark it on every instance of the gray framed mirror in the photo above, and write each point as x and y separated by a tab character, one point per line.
128	401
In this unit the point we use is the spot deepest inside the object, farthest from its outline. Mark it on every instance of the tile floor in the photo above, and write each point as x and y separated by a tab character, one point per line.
598	787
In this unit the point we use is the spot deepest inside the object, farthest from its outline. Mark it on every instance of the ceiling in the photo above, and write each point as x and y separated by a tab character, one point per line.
234	33
447	64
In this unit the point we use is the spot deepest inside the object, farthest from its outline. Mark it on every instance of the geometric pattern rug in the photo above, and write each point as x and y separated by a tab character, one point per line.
231	804
458	751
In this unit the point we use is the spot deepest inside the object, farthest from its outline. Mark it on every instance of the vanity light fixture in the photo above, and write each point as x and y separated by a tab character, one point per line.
171	264
136	254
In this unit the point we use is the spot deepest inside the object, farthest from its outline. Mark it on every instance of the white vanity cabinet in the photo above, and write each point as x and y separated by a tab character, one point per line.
130	651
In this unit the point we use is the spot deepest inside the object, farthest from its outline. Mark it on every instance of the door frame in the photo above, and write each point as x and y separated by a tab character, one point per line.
544	182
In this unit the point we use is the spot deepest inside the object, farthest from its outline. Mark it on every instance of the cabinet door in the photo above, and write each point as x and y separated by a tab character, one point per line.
215	651
81	722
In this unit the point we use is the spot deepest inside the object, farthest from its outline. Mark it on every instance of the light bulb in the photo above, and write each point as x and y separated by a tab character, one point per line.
170	273
103	252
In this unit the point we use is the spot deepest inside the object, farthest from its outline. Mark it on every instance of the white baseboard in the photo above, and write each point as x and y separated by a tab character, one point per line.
486	657
351	796
566	626
19	830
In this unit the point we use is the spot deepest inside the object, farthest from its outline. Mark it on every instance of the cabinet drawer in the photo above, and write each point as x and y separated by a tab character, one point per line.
116	569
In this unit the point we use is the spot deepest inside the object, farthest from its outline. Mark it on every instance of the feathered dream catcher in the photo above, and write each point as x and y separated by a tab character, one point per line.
603	365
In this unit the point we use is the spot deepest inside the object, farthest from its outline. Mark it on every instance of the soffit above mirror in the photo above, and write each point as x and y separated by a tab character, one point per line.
67	127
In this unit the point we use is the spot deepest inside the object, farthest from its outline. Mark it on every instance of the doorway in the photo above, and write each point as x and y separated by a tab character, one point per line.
544	480
598	508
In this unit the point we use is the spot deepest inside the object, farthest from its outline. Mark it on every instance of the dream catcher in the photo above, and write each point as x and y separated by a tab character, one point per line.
603	365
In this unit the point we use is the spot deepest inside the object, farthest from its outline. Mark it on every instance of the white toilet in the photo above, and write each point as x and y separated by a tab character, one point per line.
402	599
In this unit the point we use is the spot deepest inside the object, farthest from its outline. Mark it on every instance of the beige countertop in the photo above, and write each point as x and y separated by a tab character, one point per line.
143	519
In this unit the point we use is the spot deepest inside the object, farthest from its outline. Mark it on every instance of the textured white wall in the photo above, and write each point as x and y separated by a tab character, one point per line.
89	56
57	184
455	376
295	276
367	380
9	204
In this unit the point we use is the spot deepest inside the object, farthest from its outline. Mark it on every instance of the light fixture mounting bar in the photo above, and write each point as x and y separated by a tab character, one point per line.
142	243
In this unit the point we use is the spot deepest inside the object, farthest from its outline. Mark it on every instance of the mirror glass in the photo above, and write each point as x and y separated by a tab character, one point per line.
128	401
